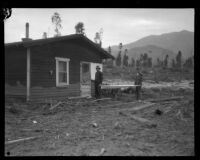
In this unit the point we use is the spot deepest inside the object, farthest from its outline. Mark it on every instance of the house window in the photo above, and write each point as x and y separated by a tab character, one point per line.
62	71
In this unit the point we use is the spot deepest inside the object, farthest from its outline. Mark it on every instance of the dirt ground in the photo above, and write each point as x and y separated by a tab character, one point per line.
96	129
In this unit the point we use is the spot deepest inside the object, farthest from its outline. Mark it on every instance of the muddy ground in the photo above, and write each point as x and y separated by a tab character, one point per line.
95	129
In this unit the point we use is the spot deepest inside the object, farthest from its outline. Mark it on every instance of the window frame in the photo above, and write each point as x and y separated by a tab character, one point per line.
59	59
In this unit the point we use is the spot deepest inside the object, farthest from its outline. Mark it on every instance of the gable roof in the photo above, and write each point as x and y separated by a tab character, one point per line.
61	38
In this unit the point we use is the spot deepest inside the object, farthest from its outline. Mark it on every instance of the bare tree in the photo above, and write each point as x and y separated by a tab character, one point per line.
98	37
56	20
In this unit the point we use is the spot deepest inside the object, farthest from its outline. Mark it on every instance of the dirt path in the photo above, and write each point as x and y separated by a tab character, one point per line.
93	129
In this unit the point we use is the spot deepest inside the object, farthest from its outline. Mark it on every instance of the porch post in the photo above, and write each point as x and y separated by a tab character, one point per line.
28	76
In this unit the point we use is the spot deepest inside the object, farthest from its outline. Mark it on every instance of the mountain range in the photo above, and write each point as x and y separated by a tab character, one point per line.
158	46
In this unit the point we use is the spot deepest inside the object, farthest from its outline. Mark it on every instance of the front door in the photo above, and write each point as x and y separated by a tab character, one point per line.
85	79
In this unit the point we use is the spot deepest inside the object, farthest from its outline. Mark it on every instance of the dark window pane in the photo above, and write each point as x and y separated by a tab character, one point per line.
62	66
62	77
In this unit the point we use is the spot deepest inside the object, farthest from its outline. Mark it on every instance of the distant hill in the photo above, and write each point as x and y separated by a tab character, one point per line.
152	51
165	43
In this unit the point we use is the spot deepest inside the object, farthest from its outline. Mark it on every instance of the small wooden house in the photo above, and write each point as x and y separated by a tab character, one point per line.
51	68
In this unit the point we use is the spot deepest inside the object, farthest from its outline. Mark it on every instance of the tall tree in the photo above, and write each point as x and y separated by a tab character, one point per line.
56	20
118	59
149	62
173	64
158	62
188	63
44	36
120	51
109	62
132	62
98	37
145	60
179	60
80	28
109	50
166	61
138	63
125	58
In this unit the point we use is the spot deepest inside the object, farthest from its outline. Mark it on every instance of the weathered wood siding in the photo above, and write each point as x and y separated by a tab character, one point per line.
43	94
15	72
15	66
43	84
15	92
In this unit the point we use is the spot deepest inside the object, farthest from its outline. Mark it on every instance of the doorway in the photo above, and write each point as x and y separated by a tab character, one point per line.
85	79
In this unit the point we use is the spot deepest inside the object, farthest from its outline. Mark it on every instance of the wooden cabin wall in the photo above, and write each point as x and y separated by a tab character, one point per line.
43	84
15	72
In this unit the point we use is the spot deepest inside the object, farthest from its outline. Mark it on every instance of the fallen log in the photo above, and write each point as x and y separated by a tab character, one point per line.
166	99
34	130
138	108
141	107
119	104
142	120
22	139
100	99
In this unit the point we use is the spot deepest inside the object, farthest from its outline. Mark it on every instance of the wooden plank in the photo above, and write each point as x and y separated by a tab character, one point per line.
143	120
22	139
166	99
101	99
140	119
140	107
119	104
56	105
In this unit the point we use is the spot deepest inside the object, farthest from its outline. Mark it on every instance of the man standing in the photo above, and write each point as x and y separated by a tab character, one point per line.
138	81
98	82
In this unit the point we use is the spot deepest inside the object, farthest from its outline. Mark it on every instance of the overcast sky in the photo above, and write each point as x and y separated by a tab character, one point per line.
119	25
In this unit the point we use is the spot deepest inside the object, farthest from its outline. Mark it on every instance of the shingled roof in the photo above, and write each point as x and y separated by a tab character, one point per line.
60	38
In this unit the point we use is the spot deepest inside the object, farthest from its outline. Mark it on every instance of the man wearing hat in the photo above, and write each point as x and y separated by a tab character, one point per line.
138	81
98	82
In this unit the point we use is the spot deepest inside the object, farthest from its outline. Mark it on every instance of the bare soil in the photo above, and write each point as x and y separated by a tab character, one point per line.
92	129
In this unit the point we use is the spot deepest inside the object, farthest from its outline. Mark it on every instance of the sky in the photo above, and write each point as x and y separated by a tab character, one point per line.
119	25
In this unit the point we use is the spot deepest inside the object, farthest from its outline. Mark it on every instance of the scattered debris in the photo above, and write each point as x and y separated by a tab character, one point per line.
158	112
13	110
94	124
34	122
122	113
117	125
97	153
56	105
180	115
128	144
167	110
67	134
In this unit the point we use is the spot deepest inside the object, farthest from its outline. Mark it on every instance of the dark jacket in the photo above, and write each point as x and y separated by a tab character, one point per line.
138	79
98	77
